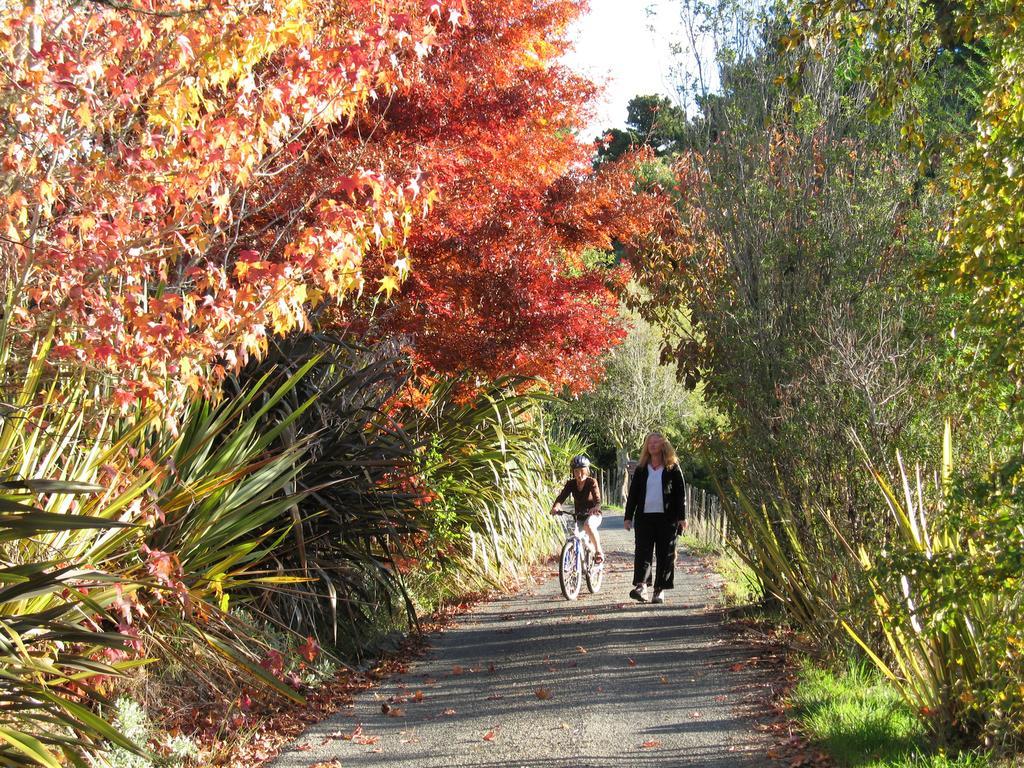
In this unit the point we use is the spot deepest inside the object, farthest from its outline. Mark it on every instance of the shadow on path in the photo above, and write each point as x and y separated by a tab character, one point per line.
534	680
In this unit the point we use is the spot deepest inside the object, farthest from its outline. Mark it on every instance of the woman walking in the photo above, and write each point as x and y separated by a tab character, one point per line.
656	511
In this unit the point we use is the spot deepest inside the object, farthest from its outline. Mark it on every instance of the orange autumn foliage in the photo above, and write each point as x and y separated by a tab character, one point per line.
183	181
140	143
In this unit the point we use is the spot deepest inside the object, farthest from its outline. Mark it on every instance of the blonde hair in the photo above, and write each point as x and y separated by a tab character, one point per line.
668	453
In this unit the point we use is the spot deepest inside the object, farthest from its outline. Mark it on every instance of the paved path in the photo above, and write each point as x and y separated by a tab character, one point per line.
510	685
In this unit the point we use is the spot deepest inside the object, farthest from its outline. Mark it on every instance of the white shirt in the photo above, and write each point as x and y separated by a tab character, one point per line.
654	501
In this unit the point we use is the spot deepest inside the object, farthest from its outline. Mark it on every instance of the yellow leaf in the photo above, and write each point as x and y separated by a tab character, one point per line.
84	115
388	285
221	202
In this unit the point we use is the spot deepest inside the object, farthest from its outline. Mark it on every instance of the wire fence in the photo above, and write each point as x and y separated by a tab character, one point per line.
705	519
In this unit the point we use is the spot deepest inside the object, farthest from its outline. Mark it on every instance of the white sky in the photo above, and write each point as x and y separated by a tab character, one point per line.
625	44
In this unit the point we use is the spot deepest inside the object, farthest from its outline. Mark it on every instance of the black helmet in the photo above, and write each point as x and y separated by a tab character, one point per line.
580	462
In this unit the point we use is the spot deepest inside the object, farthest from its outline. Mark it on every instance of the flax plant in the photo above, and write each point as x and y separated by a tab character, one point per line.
935	661
84	493
56	586
795	556
492	468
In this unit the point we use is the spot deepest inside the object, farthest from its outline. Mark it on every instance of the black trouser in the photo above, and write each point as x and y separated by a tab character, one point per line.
654	534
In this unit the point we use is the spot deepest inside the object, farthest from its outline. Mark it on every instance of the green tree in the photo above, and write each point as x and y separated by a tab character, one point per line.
800	240
899	48
822	305
652	121
638	393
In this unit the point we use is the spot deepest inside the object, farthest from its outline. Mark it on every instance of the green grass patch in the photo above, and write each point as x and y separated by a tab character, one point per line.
697	547
862	722
741	585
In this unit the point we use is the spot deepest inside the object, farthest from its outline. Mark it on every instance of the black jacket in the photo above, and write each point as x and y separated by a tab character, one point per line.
672	491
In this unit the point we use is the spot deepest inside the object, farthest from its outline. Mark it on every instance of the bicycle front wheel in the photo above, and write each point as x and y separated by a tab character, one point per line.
569	570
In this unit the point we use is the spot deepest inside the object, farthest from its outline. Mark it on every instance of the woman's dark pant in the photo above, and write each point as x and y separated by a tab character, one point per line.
655	534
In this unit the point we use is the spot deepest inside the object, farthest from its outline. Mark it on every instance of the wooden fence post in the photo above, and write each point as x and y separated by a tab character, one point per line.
706	521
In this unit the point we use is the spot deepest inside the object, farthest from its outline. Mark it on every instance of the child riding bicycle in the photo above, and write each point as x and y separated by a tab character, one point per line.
586	498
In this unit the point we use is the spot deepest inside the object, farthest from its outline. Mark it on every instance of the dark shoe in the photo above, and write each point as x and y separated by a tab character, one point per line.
598	558
637	593
659	597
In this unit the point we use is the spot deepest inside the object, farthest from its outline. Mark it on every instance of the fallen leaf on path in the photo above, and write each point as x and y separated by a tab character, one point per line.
695	715
327	764
650	744
448	712
365	740
737	667
396	712
543	693
456	670
580	649
664	680
632	662
564	726
418	696
495	697
491	668
489	736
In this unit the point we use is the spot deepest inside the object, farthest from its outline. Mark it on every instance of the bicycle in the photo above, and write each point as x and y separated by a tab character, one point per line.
577	562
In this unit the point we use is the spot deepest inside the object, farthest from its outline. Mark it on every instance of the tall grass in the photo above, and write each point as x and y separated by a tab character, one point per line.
901	592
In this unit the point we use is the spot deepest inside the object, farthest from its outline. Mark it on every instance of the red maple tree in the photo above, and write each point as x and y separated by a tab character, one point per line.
189	180
499	276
